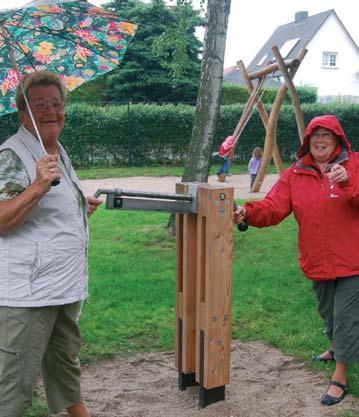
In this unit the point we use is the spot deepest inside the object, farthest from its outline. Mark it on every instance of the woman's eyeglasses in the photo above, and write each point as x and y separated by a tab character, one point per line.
323	135
56	106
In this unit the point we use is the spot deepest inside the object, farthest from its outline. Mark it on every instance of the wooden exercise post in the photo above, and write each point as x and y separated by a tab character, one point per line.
204	292
204	235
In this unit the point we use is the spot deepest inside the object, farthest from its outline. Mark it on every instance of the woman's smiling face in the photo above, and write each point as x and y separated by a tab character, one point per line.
48	110
322	143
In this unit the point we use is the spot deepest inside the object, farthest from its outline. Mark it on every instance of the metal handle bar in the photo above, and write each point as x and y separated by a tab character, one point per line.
118	192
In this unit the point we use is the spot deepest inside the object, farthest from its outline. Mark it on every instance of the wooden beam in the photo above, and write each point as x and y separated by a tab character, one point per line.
293	93
186	238
272	126
269	69
214	286
247	111
264	117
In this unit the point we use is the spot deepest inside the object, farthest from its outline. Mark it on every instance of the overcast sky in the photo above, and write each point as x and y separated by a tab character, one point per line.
251	23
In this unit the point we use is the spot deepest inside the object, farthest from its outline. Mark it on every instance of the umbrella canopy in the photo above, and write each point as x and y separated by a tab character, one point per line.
74	39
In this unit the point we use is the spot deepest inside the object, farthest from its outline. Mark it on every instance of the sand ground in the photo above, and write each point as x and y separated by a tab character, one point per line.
264	383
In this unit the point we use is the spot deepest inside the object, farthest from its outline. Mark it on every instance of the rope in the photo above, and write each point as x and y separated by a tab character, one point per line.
248	111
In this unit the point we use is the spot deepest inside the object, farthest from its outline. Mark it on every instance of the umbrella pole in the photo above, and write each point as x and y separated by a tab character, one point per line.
32	117
18	73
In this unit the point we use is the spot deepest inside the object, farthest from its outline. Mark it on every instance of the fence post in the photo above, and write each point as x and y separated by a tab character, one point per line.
129	141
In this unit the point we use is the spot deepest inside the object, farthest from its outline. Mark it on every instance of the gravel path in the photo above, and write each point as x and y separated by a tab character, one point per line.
240	183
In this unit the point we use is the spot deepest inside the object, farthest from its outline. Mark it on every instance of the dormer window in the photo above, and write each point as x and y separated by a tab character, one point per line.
330	59
288	46
261	61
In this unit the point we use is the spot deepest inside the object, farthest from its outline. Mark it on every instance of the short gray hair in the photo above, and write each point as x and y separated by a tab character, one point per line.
36	78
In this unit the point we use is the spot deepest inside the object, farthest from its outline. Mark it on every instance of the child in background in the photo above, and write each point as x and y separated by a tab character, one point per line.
225	153
254	164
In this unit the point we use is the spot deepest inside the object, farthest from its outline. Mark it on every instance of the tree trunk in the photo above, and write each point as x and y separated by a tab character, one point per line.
209	95
208	99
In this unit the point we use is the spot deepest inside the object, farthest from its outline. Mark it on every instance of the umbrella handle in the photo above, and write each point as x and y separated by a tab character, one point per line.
57	180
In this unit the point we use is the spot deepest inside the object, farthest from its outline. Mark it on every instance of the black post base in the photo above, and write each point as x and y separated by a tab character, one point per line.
210	396
186	380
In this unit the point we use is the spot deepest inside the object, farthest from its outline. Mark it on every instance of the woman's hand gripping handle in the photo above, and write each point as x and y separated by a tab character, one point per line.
239	216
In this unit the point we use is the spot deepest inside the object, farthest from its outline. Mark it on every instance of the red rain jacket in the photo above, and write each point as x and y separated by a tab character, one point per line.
328	238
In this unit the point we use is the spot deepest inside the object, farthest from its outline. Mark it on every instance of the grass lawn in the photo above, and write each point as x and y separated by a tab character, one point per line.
132	289
154	171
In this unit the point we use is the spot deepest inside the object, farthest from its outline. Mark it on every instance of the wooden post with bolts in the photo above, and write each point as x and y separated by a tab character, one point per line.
204	292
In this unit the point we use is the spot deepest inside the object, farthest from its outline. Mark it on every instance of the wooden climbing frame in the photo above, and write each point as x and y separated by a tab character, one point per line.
287	69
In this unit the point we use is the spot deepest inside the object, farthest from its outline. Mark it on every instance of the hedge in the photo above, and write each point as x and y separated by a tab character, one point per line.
235	94
150	134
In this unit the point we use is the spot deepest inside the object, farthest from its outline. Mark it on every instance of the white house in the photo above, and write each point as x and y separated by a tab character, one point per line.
331	64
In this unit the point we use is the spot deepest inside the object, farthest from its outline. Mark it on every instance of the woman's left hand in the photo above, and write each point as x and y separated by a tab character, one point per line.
337	174
93	203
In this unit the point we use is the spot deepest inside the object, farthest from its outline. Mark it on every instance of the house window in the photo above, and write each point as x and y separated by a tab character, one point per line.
330	59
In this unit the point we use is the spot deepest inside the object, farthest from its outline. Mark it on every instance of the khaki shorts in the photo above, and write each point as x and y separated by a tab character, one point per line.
46	338
338	305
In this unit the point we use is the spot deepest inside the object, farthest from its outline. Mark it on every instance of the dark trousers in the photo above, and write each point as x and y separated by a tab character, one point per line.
338	306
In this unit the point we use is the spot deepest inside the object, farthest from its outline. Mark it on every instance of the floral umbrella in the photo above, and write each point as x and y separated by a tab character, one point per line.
74	39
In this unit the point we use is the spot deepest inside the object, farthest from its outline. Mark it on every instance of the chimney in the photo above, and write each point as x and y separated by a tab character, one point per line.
299	16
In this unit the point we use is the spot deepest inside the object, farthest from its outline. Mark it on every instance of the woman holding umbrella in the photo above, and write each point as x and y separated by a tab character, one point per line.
43	255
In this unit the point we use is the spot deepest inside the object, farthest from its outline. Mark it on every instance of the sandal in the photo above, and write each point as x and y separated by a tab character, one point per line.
329	400
319	358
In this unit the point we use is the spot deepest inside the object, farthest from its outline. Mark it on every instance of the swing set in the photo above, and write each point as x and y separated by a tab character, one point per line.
254	82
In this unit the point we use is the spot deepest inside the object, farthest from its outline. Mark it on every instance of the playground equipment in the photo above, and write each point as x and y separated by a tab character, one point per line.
287	69
204	234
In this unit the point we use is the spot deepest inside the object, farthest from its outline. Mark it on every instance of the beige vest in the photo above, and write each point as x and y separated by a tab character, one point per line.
44	262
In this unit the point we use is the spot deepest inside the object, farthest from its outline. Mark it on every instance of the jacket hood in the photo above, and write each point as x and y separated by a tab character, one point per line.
328	122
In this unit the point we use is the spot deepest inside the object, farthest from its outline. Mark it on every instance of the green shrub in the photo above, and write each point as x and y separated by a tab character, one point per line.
235	94
90	92
143	134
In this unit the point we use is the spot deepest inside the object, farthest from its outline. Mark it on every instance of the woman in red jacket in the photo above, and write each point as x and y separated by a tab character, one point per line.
321	189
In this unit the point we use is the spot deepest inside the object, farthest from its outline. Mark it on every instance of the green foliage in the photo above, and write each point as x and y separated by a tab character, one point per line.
305	95
235	94
150	137
144	134
90	92
173	44
238	94
162	63
38	407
